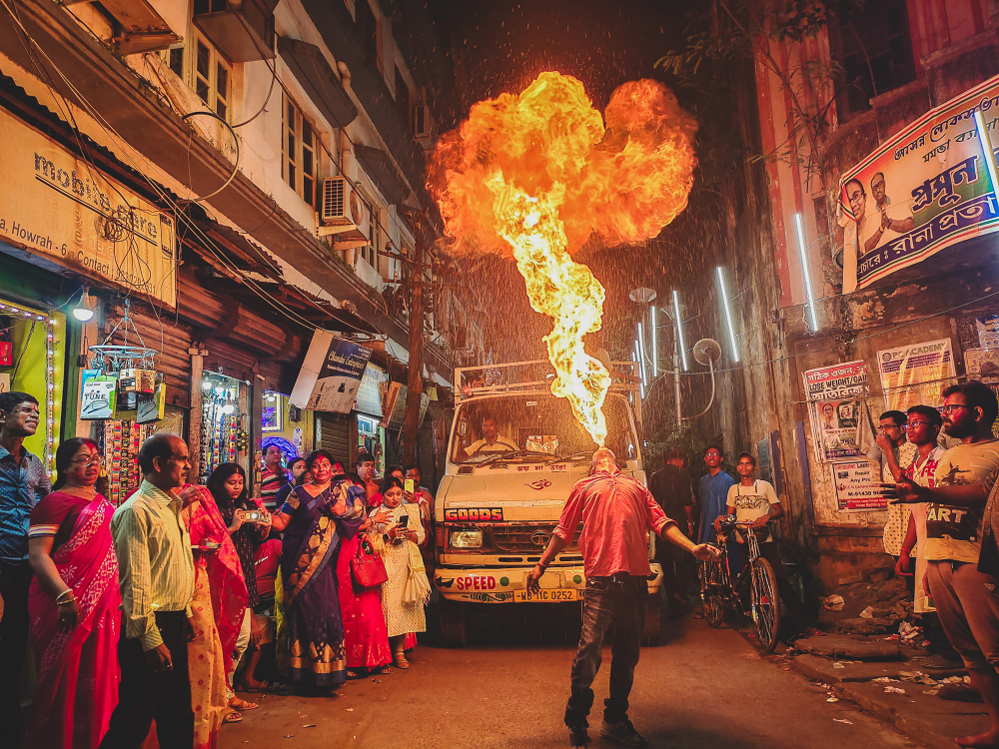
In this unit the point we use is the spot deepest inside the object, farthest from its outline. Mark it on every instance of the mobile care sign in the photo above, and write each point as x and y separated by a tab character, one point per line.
57	205
924	190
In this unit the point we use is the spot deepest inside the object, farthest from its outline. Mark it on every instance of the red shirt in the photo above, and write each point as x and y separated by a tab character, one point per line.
616	511
266	566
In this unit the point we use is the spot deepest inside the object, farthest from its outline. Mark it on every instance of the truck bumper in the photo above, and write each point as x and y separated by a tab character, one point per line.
502	584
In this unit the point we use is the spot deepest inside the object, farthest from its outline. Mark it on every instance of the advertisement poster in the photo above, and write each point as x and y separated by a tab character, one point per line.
834	395
857	486
59	206
923	190
331	374
916	374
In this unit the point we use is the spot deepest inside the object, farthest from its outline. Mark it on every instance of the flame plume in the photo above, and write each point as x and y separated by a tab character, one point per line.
535	176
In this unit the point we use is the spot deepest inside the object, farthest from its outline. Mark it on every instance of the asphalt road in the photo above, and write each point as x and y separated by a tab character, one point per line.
705	688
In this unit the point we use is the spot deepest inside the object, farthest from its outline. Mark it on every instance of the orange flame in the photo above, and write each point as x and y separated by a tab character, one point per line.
536	175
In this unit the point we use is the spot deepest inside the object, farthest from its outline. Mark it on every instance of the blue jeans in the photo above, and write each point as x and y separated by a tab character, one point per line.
617	600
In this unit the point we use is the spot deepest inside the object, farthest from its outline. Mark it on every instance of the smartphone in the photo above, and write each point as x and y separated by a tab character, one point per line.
403	522
252	516
410	486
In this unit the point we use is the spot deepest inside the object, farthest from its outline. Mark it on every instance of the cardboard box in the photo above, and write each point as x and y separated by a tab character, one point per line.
137	381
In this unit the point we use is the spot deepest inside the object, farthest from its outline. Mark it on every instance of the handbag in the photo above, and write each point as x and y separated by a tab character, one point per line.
367	568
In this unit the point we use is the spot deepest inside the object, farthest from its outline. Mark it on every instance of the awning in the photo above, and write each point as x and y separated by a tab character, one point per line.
378	164
317	77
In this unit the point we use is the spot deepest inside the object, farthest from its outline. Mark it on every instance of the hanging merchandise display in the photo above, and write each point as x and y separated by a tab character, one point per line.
124	394
223	433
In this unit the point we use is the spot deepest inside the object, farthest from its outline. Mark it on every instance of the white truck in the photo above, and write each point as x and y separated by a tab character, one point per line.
514	454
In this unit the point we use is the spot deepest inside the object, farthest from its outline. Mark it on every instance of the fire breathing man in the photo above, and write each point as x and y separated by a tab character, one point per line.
616	511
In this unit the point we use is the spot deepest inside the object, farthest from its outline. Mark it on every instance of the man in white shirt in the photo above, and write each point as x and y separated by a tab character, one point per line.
156	576
754	502
922	429
492	441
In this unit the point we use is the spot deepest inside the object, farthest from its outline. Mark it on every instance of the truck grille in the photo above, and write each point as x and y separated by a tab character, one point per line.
526	539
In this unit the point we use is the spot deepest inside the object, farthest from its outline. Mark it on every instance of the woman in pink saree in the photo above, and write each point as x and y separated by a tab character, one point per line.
73	605
218	605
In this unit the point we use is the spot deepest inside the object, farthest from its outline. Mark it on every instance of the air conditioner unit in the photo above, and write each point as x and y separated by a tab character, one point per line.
336	202
423	122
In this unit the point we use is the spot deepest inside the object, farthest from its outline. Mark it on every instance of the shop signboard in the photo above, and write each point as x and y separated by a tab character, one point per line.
916	374
60	206
857	486
369	394
834	396
925	189
331	374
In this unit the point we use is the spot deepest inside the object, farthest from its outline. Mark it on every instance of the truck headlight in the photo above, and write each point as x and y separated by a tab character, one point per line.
466	539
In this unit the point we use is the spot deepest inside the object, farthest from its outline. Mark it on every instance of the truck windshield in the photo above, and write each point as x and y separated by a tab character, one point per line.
535	427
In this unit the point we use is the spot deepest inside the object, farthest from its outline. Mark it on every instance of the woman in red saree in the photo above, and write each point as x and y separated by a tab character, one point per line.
218	605
73	605
365	638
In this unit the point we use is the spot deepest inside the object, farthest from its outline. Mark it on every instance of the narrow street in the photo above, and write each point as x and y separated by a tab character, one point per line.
706	688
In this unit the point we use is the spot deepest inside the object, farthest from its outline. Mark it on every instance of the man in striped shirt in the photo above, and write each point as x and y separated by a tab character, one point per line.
156	575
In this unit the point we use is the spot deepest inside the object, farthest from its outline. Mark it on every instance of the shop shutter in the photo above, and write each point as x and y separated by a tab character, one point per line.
334	435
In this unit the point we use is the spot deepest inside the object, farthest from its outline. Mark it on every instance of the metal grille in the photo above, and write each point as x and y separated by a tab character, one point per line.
526	539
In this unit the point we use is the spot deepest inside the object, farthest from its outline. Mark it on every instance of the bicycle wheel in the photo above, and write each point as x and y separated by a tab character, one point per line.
766	604
714	605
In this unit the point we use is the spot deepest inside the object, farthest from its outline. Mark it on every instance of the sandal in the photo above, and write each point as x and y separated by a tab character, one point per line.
232	717
353	674
384	670
238	704
400	661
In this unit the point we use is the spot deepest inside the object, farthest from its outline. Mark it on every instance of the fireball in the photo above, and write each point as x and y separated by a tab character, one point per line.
537	175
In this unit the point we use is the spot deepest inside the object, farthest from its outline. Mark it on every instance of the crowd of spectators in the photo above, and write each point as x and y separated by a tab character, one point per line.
162	608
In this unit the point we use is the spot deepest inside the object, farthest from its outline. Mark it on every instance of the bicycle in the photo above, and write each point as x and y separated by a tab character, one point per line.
719	595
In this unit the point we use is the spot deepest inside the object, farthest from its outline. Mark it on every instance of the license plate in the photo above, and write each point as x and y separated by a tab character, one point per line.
548	595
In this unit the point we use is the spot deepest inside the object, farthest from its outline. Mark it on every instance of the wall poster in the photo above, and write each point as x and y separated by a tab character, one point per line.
834	398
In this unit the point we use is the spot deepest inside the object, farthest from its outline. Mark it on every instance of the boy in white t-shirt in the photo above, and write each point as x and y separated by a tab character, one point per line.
753	501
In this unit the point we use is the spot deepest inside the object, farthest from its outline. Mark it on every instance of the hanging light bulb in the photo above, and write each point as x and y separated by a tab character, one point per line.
81	311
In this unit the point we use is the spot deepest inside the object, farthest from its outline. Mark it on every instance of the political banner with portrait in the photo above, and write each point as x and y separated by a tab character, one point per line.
916	374
834	394
923	190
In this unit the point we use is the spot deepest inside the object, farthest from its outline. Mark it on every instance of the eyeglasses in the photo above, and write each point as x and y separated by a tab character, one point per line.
952	406
913	424
94	460
883	428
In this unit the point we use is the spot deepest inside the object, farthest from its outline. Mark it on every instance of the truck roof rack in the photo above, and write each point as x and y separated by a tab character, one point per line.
512	377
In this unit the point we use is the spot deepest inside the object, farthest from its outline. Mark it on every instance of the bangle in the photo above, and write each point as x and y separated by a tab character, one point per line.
907	552
59	598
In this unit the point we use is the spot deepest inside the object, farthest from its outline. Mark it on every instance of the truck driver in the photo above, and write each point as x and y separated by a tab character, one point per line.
492	441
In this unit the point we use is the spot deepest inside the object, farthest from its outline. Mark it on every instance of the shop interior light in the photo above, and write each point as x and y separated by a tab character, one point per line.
799	226
206	384
228	408
81	311
679	329
728	313
990	156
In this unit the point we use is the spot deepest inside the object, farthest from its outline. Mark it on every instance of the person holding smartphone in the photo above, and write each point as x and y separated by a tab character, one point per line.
407	589
248	524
